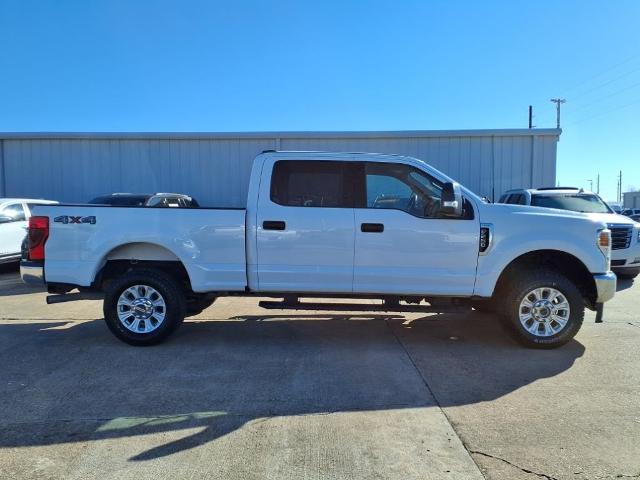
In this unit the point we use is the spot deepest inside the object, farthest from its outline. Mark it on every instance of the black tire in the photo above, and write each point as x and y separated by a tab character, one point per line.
196	305
523	284
165	285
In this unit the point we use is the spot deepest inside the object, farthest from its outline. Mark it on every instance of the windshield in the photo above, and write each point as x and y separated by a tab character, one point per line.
576	202
121	200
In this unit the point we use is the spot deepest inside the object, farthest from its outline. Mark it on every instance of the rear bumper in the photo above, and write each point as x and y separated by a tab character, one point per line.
605	286
32	273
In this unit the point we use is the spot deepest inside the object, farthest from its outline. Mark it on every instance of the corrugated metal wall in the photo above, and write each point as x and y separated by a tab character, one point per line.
214	168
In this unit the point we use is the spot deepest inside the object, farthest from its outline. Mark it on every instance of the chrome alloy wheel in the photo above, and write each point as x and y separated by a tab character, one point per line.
141	309
544	312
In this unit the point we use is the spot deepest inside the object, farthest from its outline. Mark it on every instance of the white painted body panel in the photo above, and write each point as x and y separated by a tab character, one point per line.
520	229
629	255
321	250
415	255
11	235
210	243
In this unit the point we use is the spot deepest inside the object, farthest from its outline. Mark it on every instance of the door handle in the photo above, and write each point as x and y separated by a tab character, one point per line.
274	225
372	227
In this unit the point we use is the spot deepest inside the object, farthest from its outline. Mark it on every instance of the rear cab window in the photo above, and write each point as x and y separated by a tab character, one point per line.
311	183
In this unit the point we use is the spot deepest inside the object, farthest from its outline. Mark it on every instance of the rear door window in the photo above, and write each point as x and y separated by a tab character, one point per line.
303	183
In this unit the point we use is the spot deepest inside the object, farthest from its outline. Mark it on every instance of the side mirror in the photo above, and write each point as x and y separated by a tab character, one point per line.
451	200
5	219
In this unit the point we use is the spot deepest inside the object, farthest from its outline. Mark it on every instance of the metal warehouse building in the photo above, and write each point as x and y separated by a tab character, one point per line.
214	167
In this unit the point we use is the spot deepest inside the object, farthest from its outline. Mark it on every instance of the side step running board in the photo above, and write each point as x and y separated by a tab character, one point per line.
361	307
72	297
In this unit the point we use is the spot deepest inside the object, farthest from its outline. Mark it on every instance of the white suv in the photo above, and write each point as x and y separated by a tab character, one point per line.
625	232
14	213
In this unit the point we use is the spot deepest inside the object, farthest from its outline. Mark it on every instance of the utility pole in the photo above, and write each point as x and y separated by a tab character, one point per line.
530	116
620	187
598	184
590	185
558	102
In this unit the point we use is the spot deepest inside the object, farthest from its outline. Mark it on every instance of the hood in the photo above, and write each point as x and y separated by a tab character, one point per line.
555	212
611	218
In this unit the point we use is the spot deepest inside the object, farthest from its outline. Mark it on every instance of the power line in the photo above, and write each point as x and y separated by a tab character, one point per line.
619	107
605	83
606	96
608	69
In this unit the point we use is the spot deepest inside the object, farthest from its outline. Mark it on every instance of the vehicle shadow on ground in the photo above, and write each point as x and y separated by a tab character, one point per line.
624	283
12	284
73	382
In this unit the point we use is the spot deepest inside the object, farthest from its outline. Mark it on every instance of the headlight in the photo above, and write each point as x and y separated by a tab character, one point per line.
604	243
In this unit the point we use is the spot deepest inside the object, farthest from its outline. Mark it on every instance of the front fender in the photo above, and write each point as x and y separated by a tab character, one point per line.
577	238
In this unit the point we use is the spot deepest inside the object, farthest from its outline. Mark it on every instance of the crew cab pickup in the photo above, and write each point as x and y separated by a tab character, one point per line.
346	225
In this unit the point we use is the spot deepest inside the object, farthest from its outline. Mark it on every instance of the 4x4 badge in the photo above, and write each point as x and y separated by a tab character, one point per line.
75	219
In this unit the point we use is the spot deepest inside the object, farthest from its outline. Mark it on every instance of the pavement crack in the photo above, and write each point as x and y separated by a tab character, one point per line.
525	470
433	395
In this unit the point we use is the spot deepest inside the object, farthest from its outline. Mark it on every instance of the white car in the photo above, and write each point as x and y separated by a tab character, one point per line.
625	232
317	224
14	215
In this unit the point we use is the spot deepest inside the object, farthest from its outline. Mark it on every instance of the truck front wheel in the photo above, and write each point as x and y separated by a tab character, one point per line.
543	309
143	307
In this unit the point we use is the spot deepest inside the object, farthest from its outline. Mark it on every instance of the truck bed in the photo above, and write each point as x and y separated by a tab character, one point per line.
210	242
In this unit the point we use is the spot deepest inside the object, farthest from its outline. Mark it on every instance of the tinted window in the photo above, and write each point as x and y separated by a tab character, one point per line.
586	203
517	198
299	183
402	187
14	211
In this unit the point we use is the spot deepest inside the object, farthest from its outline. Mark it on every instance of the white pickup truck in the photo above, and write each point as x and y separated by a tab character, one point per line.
337	225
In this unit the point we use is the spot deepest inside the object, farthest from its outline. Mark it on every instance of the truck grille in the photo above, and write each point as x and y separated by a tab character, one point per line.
620	236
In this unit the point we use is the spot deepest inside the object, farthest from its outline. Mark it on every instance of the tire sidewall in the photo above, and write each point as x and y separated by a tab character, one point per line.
165	285
544	280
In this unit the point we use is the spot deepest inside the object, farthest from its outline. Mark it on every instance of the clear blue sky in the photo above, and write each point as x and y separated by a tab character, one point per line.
363	65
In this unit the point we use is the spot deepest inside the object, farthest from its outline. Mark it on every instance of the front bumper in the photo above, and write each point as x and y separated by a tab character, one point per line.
32	273
605	286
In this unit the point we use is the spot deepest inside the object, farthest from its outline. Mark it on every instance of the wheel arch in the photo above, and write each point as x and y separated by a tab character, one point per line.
562	262
140	255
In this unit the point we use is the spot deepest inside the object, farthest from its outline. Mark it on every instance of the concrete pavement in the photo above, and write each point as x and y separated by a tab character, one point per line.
242	392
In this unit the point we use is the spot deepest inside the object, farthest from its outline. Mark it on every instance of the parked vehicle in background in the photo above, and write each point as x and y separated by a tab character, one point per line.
348	225
631	213
174	200
14	213
625	232
616	207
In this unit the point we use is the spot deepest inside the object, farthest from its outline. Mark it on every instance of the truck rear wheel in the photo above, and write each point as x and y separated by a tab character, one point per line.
543	309
143	307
